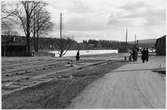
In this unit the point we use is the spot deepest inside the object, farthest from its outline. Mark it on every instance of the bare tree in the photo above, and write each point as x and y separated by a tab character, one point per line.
33	18
63	45
6	14
41	23
24	12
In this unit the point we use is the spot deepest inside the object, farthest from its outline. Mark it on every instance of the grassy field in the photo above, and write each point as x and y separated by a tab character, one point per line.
47	82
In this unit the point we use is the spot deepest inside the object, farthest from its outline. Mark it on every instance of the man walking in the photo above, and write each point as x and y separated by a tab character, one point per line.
143	56
77	56
147	54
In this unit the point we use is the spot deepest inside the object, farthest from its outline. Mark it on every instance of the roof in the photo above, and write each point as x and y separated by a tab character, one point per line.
164	36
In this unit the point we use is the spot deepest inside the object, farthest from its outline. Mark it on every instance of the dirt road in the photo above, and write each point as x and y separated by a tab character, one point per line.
131	86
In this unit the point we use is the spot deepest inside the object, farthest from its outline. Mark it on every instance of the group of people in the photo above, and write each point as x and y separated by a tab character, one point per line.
145	55
134	54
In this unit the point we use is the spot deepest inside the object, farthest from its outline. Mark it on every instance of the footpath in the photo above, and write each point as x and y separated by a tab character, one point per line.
133	85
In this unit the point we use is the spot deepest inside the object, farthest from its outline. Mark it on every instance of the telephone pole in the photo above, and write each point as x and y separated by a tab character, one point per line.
60	25
126	38
61	37
135	39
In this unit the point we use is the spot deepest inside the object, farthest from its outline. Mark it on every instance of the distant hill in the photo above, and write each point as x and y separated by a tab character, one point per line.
148	41
145	41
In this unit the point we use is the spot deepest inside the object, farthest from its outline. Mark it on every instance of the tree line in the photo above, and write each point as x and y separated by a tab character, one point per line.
56	43
102	44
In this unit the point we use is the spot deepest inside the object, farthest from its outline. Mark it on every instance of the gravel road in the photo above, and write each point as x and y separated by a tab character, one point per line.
131	86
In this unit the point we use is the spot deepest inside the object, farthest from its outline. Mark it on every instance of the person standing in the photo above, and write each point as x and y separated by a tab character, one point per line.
77	56
136	54
147	54
130	55
143	55
133	54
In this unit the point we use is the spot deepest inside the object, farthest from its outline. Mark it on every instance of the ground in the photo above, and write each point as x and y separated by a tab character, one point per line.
49	82
133	85
93	82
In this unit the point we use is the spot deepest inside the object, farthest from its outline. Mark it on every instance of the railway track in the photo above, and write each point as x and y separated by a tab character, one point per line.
29	81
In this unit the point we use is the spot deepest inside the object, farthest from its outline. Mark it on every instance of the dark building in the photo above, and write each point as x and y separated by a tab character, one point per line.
13	50
160	46
10	47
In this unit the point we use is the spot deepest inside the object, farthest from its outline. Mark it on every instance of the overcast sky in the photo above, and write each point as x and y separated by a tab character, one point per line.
108	19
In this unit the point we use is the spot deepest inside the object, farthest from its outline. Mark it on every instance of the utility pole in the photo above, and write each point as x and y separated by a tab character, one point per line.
60	25
135	39
61	37
126	38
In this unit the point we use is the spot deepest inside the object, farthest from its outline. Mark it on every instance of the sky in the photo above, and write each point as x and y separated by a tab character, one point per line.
108	19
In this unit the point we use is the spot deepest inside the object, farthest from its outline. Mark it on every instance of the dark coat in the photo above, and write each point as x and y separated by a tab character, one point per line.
143	57
147	55
77	56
